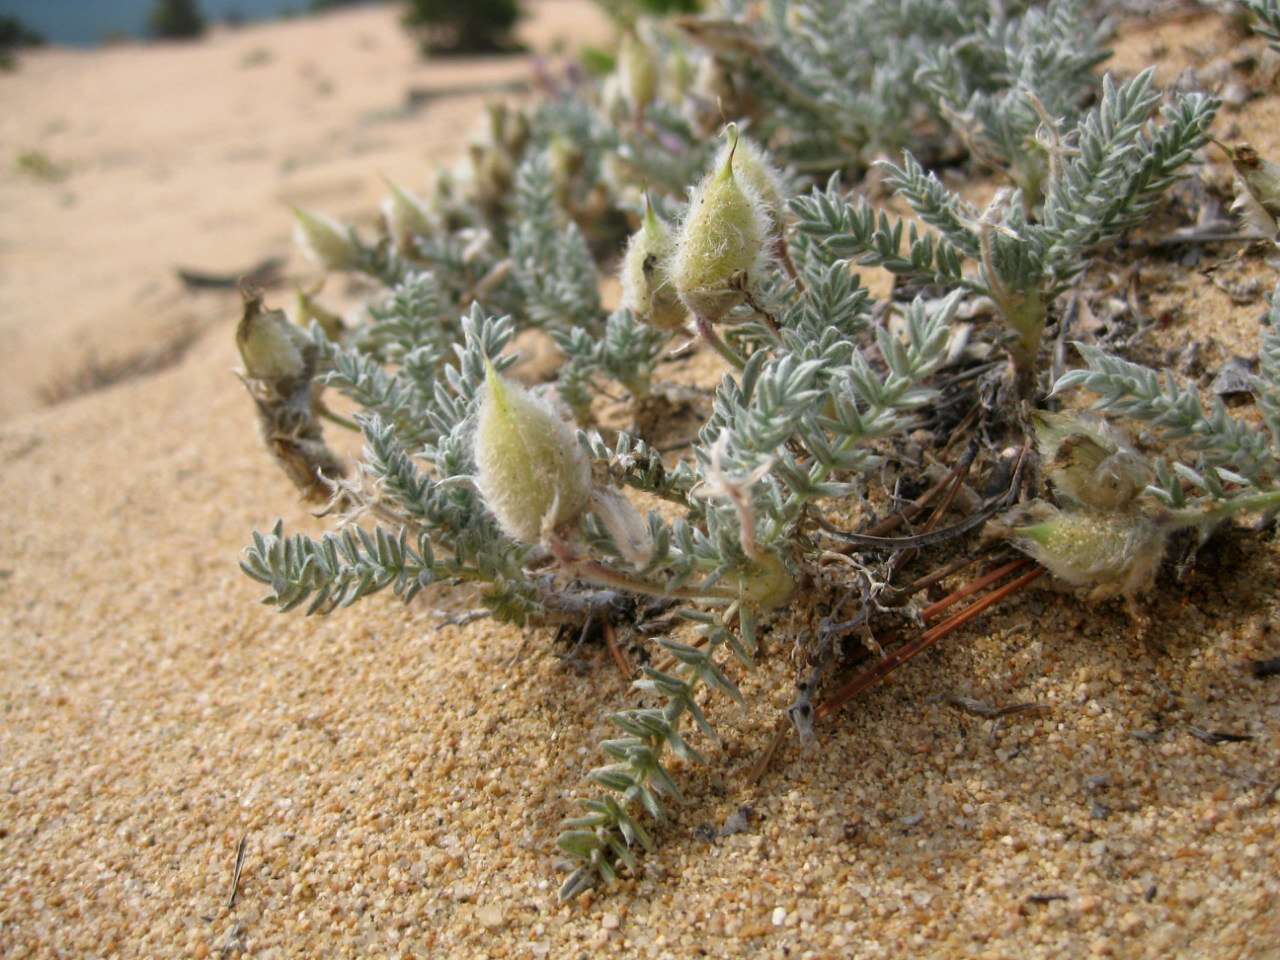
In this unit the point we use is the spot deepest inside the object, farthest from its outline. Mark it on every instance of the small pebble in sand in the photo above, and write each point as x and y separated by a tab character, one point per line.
490	916
779	916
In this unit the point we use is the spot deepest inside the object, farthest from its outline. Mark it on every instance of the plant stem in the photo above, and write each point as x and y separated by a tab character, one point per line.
719	346
338	419
1192	517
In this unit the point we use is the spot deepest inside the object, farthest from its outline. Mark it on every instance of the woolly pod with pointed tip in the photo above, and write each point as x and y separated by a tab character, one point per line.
721	240
1088	462
406	216
273	349
753	167
326	241
530	469
647	290
1109	553
637	72
1257	189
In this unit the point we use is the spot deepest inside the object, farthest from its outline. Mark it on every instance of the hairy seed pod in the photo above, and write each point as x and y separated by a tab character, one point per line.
720	241
327	242
1088	463
529	467
273	349
647	290
1109	553
1257	190
752	167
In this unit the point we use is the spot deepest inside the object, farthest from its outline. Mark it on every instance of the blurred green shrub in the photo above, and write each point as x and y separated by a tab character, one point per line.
629	11
462	26
15	35
175	19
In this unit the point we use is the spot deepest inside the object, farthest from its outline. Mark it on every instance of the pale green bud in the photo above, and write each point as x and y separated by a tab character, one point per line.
406	216
272	348
1109	553
677	76
1088	463
637	71
324	240
307	310
529	467
565	160
647	290
721	240
517	134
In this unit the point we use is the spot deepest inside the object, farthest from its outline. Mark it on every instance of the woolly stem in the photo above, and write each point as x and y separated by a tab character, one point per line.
1247	503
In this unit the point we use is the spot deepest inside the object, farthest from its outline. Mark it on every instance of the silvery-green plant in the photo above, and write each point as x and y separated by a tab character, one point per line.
998	85
469	478
458	478
1266	19
850	81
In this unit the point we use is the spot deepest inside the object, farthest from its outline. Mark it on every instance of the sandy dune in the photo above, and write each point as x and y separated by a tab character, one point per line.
187	155
398	784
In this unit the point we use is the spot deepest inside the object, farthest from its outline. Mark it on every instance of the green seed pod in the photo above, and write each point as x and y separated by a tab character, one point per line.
1109	553
721	240
638	74
272	348
529	467
647	290
1089	464
752	166
677	76
565	160
406	216
325	240
516	136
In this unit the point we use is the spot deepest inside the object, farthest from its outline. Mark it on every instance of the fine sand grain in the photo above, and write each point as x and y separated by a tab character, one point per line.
397	783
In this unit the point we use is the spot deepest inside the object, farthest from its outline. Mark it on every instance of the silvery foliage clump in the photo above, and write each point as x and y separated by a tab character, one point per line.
1224	464
1104	175
514	239
850	81
1265	19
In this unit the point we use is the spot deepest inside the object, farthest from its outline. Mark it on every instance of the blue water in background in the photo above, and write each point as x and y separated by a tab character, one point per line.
86	22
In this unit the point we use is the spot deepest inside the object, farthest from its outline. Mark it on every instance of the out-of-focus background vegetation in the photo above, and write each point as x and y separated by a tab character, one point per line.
472	26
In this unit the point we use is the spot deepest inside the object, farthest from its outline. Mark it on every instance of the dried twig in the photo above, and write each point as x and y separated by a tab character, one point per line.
235	873
1216	737
619	657
989	711
1265	668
